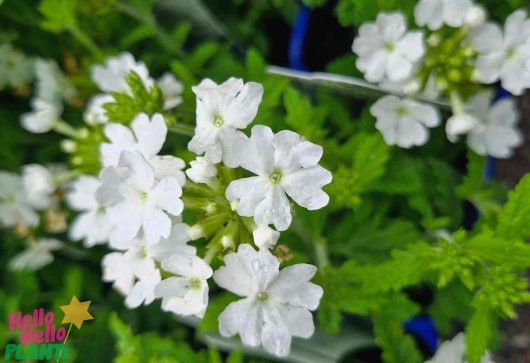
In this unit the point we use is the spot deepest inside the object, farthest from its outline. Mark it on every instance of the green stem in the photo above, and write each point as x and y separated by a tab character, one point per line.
182	130
211	253
148	20
85	40
65	129
456	103
321	253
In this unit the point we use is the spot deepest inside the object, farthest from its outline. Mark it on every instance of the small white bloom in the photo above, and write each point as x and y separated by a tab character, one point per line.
454	351
171	90
146	138
276	304
43	116
14	205
37	256
284	163
95	113
504	56
136	201
386	49
38	185
187	293
265	237
134	279
404	122
435	13
110	77
221	111
491	129
52	85
475	16
15	68
91	225
201	170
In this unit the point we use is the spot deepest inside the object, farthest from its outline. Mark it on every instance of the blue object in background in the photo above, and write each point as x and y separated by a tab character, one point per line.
298	35
423	328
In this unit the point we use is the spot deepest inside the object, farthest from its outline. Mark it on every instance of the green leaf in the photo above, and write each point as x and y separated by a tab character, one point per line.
514	218
475	175
59	15
369	155
303	117
209	322
256	65
479	333
397	346
126	106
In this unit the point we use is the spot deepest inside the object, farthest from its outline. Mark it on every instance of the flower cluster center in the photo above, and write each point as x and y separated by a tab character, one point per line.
276	176
218	120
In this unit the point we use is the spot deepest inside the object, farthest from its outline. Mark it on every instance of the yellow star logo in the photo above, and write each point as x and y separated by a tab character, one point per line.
76	312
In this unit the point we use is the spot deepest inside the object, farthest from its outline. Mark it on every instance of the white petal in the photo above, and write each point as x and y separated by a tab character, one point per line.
244	107
168	165
292	286
156	224
242	317
274	209
166	195
275	334
250	192
305	187
150	134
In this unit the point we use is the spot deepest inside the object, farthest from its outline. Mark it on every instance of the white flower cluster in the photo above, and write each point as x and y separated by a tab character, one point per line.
413	63
110	77
136	206
22	199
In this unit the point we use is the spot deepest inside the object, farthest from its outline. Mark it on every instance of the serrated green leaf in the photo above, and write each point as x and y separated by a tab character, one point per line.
479	333
397	346
514	218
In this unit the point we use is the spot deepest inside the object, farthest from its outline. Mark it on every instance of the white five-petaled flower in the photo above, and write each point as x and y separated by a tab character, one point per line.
136	201
14	205
146	137
221	111
491	129
386	50
42	118
435	13
284	163
91	225
404	122
186	293
38	185
276	304
38	255
132	277
133	272
504	56
110	77
95	113
454	351
171	90
51	84
201	170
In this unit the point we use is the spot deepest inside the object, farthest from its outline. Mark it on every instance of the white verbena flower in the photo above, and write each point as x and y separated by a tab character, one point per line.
15	68
110	77
504	56
42	118
491	129
404	122
14	205
52	85
201	170
171	90
454	351
95	113
38	185
146	138
284	164
133	272
435	13
187	293
221	111
38	255
265	237
136	201
276	304
386	50
132	278
91	224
